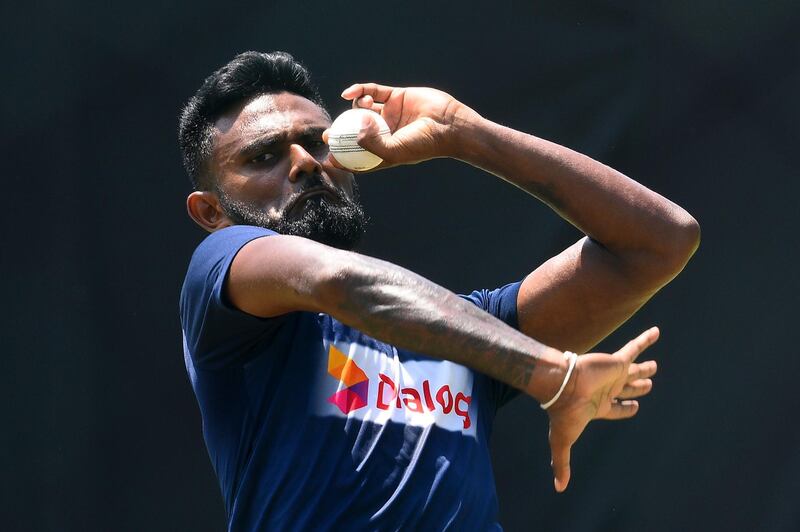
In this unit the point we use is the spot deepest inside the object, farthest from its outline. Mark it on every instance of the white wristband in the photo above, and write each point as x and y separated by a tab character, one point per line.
573	358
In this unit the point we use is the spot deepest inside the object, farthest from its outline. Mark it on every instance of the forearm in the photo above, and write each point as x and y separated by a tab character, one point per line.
624	216
399	307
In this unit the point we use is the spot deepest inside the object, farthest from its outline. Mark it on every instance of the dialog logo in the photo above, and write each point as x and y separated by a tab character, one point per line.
412	399
355	395
376	386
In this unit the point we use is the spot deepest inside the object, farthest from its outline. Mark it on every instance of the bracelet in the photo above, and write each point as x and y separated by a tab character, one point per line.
573	358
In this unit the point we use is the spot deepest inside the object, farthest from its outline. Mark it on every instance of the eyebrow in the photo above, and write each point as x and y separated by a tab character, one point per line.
271	140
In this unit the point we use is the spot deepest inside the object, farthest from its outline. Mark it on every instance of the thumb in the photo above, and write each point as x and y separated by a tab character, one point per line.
634	348
374	139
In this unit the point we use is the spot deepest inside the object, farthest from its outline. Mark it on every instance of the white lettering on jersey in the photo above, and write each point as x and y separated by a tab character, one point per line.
370	385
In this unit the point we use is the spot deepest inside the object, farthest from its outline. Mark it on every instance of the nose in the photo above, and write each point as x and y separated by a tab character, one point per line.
303	163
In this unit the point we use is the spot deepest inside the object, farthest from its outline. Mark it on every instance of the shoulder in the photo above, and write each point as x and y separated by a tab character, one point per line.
225	242
212	258
216	333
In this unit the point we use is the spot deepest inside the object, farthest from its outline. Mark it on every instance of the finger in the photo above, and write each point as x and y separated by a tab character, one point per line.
331	159
643	370
379	93
363	102
622	410
632	349
366	102
560	456
636	389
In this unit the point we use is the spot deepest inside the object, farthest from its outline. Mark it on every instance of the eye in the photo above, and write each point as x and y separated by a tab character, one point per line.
262	158
316	144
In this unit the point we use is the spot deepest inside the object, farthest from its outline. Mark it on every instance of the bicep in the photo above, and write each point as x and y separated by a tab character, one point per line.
578	297
279	274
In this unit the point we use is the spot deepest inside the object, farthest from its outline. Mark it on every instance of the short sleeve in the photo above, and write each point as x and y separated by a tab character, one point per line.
217	334
502	304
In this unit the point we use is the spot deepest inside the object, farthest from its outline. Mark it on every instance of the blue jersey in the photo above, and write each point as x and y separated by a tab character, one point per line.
313	425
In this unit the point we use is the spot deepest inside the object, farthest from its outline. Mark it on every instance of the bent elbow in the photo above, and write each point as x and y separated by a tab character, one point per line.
685	242
677	248
332	285
345	283
652	267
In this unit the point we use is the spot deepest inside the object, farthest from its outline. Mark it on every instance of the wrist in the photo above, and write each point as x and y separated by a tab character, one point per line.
549	376
572	359
462	135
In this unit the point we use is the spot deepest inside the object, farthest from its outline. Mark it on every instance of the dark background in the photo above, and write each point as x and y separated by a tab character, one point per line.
697	100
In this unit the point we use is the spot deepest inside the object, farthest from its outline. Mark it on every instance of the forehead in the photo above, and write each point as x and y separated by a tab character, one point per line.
269	115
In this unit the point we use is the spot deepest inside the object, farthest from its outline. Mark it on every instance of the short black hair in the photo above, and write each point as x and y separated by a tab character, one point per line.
246	76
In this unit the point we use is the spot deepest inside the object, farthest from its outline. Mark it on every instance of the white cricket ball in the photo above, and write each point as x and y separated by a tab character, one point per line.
343	135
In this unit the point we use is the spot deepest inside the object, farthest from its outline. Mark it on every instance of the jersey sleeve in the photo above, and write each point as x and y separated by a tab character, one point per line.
502	304
217	334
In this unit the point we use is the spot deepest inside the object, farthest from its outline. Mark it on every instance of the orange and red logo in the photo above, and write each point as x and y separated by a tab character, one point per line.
421	392
356	393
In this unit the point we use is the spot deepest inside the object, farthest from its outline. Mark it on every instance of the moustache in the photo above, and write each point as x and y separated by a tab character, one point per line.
314	183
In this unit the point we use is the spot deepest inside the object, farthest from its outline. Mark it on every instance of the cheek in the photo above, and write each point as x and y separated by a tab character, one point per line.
269	194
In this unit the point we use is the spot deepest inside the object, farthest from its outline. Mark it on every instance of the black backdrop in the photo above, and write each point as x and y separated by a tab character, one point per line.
695	99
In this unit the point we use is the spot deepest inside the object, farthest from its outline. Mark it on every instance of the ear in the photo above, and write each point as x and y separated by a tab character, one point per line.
204	208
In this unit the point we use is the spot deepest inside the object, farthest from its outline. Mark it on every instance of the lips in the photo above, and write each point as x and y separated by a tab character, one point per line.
310	193
315	192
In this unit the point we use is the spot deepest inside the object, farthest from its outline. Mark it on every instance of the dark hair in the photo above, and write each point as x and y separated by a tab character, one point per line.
248	75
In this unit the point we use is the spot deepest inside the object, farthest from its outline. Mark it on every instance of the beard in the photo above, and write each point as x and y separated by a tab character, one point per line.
339	222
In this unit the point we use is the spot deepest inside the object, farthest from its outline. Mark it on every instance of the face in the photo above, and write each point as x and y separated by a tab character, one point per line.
273	171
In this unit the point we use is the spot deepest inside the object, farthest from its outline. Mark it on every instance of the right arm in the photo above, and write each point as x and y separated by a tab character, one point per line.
280	274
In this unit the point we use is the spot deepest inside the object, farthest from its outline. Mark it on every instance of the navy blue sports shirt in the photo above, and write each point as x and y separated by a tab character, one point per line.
313	425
